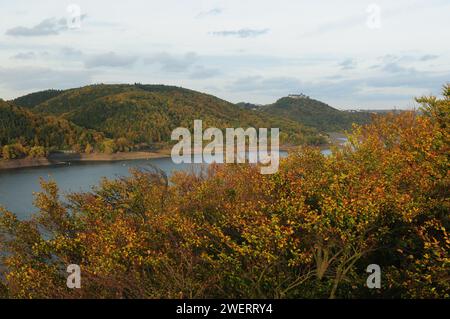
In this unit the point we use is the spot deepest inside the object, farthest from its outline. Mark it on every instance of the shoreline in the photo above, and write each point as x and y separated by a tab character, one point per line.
60	159
64	158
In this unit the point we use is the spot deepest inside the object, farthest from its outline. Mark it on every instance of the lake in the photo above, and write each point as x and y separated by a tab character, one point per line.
17	185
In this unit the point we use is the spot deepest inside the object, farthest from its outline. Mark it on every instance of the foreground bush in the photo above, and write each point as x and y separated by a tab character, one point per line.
308	231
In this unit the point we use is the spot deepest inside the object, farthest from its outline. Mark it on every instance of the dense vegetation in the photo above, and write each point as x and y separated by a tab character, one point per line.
313	113
308	231
131	117
33	99
248	106
149	113
23	133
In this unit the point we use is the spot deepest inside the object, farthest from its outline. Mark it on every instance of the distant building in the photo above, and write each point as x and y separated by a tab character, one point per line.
298	96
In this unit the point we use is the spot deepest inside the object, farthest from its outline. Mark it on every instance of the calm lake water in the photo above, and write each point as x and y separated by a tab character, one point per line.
17	185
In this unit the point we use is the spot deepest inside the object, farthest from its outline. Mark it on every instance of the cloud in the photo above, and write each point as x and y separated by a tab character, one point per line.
50	26
360	19
343	23
110	59
24	56
241	33
428	57
328	90
396	75
30	55
71	52
394	67
407	58
348	64
395	64
379	87
284	85
279	86
212	12
29	78
186	63
201	72
170	63
409	78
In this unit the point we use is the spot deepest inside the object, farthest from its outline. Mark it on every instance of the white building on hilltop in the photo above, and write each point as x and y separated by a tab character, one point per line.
298	96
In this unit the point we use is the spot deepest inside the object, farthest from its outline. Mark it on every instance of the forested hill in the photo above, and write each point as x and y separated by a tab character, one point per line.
23	133
148	113
313	113
33	99
130	117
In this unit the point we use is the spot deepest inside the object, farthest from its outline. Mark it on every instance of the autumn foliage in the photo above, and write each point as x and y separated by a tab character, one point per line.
308	231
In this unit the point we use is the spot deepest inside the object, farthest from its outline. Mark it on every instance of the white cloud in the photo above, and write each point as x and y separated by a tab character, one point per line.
110	59
50	26
209	13
30	55
172	63
32	78
241	33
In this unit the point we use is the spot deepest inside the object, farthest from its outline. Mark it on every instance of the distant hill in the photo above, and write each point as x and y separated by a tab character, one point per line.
136	116
25	133
33	99
124	117
313	113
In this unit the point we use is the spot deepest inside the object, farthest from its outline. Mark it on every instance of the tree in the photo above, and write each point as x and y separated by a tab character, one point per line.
109	146
37	151
6	152
89	149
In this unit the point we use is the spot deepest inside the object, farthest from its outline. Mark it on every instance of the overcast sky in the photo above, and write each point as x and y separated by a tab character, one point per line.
350	54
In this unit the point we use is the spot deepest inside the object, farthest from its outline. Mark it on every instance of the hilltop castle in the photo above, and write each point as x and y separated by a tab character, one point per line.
298	96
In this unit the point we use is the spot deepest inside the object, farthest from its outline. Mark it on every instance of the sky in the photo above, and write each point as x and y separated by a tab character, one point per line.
351	54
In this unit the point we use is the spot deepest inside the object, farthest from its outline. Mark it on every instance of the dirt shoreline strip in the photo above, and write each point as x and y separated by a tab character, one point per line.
55	159
63	158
